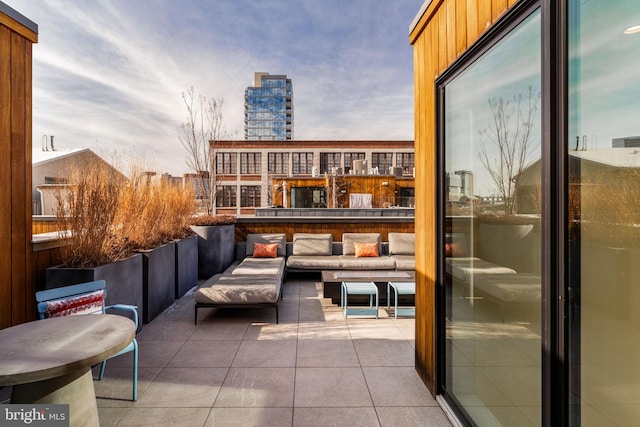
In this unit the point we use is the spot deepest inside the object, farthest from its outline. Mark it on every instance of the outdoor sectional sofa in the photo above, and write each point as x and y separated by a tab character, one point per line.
255	281
310	252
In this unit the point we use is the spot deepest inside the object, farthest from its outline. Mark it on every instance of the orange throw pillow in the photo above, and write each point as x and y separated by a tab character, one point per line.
265	250
453	249
366	249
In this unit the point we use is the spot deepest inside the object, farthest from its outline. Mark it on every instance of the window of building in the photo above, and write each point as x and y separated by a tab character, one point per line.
407	197
278	163
226	164
349	158
490	141
250	163
226	196
328	161
308	197
405	161
302	163
250	196
382	161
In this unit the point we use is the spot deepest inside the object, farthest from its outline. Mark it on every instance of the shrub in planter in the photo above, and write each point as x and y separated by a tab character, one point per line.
108	218
123	277
86	213
162	218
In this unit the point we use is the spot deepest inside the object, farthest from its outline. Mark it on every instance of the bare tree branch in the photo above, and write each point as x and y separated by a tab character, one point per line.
510	142
201	132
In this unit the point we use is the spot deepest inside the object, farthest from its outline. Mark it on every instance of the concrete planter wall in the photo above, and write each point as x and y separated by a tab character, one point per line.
123	277
158	280
216	248
186	264
515	246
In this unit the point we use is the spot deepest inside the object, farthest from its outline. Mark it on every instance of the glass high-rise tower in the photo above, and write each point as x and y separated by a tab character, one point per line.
268	108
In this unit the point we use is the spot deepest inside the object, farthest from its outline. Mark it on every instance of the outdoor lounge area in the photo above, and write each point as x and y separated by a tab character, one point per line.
238	367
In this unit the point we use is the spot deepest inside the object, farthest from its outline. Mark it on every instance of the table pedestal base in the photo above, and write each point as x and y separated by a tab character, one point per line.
74	389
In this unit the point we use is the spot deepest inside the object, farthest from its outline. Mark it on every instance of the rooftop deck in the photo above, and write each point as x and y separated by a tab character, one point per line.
237	367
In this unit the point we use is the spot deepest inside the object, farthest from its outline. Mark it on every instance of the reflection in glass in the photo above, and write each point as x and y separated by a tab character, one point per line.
604	227
492	251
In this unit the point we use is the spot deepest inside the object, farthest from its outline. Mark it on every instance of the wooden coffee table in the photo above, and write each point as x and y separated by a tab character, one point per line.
332	281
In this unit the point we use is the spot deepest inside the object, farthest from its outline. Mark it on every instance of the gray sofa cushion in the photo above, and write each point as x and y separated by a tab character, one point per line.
273	266
463	268
305	244
314	262
402	243
348	240
267	238
514	288
404	262
350	262
241	289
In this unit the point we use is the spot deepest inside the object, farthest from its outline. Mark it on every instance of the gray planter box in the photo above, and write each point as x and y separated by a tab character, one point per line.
186	264
123	277
158	280
216	248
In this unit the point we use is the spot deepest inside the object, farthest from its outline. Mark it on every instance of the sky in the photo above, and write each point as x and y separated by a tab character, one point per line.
109	74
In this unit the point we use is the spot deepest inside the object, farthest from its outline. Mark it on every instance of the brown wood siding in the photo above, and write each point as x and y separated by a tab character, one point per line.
443	33
335	228
39	226
17	288
5	177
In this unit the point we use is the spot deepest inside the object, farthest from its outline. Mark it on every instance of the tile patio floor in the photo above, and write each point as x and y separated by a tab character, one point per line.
238	368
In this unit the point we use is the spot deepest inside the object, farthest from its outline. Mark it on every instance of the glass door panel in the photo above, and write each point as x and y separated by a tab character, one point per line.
492	271
604	195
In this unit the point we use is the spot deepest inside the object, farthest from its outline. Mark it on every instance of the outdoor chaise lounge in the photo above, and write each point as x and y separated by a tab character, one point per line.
255	282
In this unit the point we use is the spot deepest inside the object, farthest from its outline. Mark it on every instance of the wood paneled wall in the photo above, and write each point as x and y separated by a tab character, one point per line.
445	31
334	227
16	267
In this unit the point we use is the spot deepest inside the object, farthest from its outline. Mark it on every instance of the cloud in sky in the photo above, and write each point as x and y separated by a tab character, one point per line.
109	74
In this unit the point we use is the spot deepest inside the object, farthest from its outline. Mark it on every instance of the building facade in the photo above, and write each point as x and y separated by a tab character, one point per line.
525	303
245	170
268	108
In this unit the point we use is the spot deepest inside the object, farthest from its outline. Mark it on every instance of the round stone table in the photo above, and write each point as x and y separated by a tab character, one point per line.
49	361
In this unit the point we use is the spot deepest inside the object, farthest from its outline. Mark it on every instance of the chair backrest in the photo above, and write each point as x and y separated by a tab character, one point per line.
83	298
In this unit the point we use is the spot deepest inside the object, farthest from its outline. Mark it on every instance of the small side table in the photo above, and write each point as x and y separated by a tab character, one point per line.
359	288
401	288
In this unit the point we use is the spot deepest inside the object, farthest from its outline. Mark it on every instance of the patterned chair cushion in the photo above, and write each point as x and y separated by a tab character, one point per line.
82	304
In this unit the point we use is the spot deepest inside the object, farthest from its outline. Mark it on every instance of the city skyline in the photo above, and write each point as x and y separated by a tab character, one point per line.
108	75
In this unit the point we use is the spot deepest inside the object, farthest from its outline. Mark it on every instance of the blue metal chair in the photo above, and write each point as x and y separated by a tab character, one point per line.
87	298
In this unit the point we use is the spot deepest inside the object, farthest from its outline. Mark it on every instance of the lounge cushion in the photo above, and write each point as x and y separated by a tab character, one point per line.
402	243
464	267
266	238
305	244
404	262
240	289
314	262
511	288
273	266
351	262
348	240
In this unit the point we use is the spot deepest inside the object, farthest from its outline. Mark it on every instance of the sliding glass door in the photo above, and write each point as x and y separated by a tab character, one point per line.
604	211
491	151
